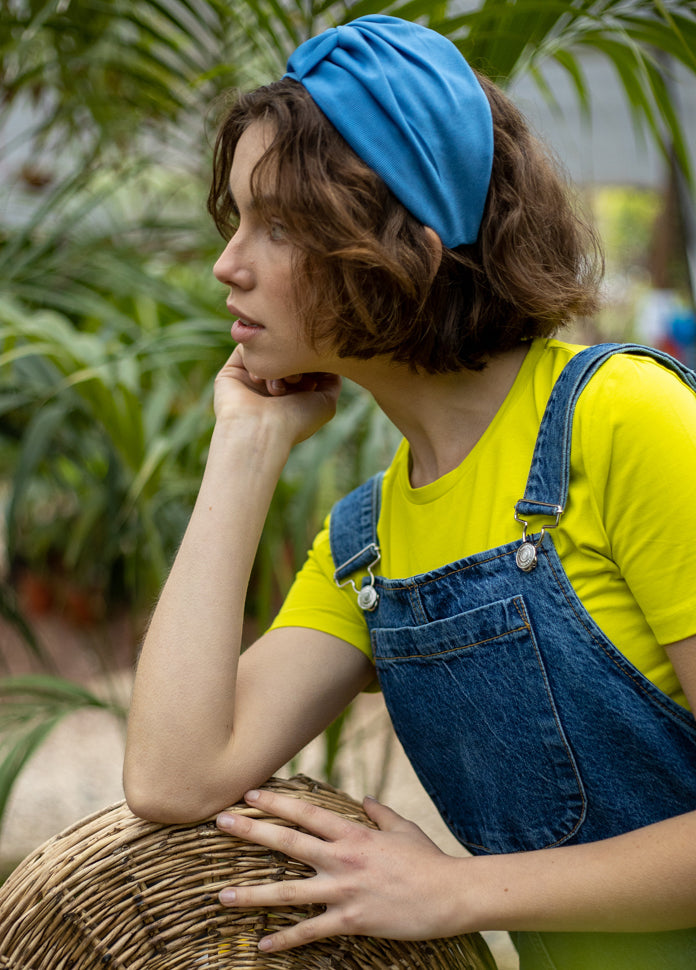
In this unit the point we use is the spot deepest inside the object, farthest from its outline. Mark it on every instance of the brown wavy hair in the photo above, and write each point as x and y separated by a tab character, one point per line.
365	275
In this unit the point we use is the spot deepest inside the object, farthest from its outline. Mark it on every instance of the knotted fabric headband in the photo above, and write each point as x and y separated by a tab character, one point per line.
411	108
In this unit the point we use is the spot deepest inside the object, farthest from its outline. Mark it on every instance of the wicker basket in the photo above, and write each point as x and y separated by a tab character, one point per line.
116	892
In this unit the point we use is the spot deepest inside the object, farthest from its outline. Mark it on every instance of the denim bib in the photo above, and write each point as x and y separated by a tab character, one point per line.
527	727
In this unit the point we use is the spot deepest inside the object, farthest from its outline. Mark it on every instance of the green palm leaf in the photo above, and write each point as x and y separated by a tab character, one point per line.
12	615
506	38
30	708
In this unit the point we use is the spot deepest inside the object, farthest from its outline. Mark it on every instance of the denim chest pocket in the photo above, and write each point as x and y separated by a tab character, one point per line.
470	700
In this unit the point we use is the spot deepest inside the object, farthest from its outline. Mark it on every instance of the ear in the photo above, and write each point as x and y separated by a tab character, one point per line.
435	245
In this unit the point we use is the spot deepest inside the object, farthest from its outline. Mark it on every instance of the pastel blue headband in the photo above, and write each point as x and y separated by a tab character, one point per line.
409	105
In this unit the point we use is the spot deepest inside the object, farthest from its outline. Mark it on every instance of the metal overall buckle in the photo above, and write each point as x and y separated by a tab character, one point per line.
526	555
368	597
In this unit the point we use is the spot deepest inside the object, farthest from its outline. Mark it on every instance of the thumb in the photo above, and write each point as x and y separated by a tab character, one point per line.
386	818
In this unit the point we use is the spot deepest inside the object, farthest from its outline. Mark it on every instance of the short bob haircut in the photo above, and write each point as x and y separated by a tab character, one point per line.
367	281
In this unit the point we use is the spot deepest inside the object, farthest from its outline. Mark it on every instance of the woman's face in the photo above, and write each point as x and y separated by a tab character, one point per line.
257	266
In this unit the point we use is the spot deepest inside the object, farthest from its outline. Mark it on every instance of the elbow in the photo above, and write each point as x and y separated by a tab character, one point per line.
154	802
160	807
172	800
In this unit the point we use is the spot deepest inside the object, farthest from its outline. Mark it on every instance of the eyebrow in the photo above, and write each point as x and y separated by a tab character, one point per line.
268	203
263	201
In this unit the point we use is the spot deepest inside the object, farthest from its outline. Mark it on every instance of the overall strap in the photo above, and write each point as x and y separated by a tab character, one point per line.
547	486
353	529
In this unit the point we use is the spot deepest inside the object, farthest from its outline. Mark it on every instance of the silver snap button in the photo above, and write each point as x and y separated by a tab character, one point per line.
526	557
368	597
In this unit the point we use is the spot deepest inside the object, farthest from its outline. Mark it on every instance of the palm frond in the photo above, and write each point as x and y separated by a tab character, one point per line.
506	39
31	706
13	616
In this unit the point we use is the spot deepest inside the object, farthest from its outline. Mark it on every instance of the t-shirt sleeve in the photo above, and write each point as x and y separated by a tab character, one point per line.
316	602
639	438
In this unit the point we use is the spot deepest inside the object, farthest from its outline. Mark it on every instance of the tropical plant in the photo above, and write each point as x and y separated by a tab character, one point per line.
30	708
112	439
14	619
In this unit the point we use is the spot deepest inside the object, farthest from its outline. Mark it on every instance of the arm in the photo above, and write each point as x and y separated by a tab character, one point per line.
396	883
203	727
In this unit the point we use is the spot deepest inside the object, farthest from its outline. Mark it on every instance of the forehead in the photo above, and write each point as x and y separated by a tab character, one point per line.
252	145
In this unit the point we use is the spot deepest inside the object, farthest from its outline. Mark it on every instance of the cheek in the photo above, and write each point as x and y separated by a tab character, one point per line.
284	285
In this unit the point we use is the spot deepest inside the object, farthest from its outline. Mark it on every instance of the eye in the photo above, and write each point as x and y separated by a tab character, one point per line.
278	232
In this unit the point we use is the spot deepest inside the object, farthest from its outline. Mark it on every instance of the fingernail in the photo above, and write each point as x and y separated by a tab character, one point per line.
251	796
369	798
278	385
227	896
225	821
265	944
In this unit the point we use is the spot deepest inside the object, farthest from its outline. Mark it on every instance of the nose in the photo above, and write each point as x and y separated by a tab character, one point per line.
233	267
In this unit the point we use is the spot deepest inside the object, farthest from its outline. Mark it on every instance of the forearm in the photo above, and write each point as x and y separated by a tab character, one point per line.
182	708
638	882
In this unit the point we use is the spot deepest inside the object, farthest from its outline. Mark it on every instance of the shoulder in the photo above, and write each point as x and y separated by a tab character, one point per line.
624	378
637	394
634	436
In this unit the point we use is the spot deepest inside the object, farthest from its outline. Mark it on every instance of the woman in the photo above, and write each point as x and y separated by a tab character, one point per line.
391	220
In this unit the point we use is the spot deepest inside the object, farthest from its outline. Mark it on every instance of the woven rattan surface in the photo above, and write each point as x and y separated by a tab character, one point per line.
116	892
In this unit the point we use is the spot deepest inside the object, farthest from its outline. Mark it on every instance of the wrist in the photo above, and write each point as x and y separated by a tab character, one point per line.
254	437
244	463
486	895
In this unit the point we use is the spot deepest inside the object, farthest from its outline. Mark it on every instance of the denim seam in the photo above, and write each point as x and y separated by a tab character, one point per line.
387	584
417	604
561	734
457	649
521	612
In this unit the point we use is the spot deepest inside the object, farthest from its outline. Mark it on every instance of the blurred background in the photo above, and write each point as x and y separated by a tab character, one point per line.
112	328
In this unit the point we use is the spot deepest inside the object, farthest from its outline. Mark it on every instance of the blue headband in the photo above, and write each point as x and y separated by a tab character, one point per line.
409	105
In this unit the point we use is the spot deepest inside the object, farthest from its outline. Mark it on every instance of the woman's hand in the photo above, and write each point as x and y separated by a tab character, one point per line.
302	403
392	882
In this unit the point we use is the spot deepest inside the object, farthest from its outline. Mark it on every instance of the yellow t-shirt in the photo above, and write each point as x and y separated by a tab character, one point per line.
627	539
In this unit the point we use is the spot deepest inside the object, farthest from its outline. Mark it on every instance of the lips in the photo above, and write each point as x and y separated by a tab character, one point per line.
244	330
244	320
243	327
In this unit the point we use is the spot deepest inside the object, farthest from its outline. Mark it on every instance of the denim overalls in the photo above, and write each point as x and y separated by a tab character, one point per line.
525	725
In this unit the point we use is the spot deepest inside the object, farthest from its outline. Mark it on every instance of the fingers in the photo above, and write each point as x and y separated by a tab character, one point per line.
318	821
306	931
236	367
290	842
276	388
302	893
295	383
295	893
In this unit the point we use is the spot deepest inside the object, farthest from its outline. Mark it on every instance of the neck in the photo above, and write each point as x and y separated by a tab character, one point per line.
442	416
